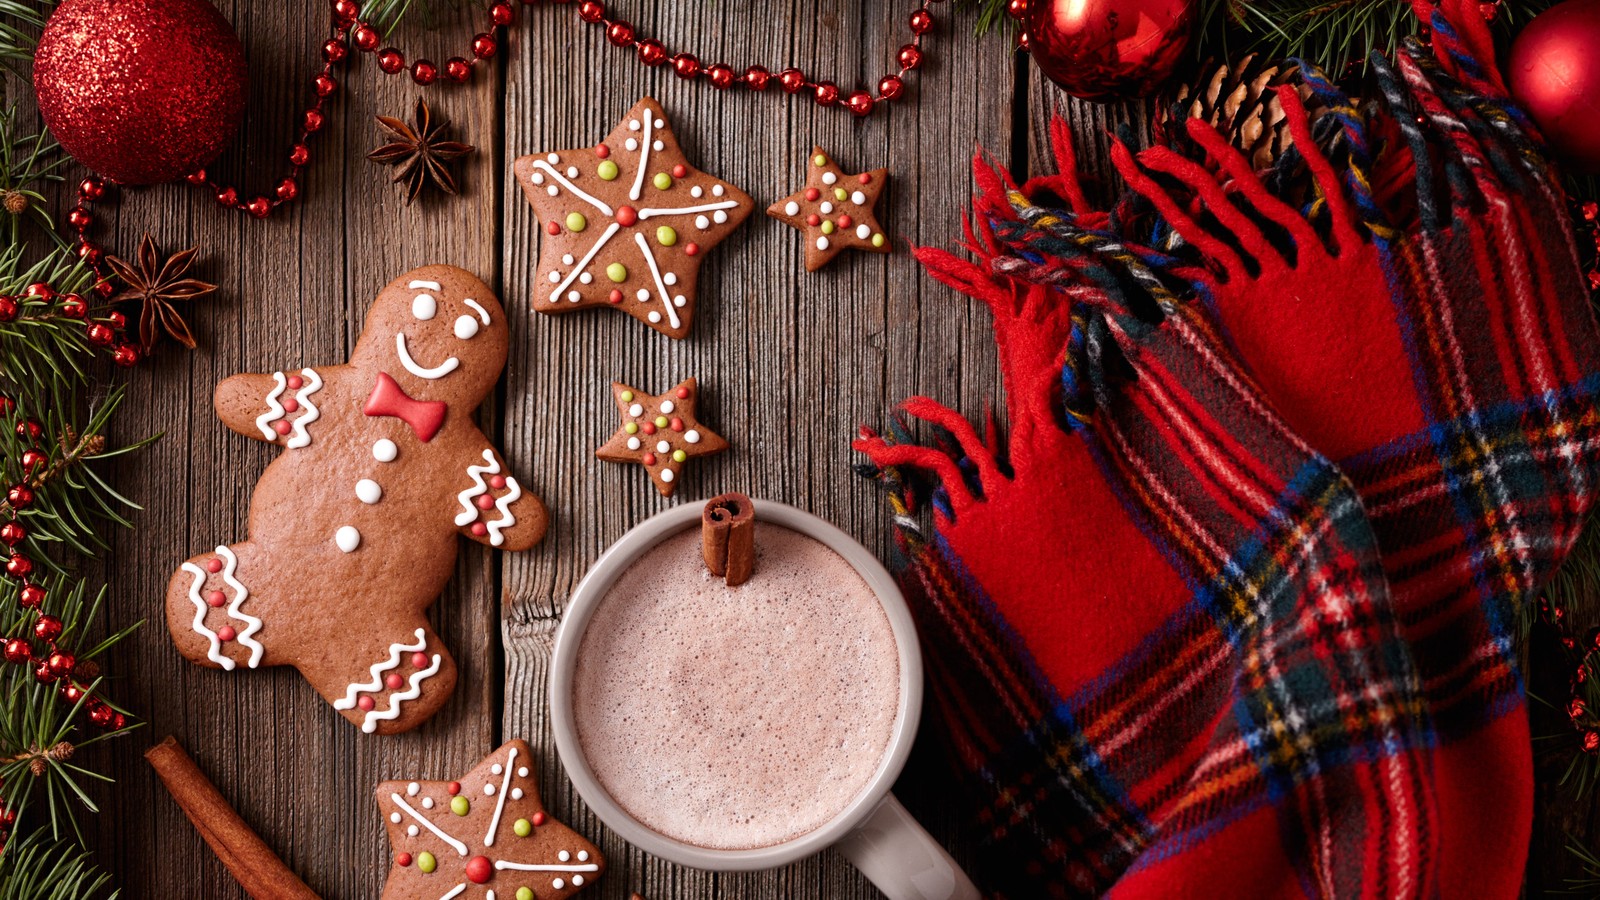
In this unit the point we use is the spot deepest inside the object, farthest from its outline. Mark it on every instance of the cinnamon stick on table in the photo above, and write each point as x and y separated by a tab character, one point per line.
259	871
728	537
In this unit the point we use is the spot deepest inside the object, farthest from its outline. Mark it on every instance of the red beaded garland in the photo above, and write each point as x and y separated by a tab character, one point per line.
13	533
48	628
651	53
424	72
484	46
20	496
391	60
18	651
366	37
19	566
31	596
8	309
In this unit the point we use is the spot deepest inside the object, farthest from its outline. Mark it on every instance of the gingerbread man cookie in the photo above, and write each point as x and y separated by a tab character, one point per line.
483	837
834	211
352	531
660	433
627	222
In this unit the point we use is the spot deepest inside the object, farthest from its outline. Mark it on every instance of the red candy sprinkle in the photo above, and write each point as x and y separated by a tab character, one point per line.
294	382
485	501
282	426
497	481
213	565
602	151
552	229
479	870
538	818
402	859
649	459
626	216
692	249
865	177
479	529
683	393
226	633
677	424
812	193
615	296
216	598
648	427
453	788
290	404
394	681
419	660
680	170
844	221
365	703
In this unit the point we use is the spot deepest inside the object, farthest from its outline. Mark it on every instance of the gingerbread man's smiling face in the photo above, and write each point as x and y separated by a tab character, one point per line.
439	332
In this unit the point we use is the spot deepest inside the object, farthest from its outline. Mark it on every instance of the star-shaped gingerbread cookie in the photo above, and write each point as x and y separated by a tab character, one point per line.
834	210
659	433
627	222
484	836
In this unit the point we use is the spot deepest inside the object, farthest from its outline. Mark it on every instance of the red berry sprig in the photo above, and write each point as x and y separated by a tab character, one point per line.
54	664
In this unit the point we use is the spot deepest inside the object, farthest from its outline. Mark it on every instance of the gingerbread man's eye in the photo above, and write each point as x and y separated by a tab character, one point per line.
424	307
466	327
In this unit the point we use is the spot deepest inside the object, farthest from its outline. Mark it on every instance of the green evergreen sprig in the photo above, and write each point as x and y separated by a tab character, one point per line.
44	869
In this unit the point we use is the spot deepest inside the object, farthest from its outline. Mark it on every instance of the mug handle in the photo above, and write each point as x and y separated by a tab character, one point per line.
902	859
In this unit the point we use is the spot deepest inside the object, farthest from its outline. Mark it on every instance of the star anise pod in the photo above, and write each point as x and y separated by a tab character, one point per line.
157	284
419	152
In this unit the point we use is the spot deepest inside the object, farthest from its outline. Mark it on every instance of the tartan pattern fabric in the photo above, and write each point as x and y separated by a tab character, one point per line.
1400	294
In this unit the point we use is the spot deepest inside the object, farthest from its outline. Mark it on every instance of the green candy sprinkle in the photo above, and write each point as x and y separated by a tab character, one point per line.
827	227
523	828
840	194
617	272
460	806
661	421
877	240
607	171
627	396
631	428
662	181
820	160
666	236
524	894
576	222
679	456
426	862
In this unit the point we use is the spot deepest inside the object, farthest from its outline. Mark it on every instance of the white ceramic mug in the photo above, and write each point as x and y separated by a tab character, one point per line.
874	832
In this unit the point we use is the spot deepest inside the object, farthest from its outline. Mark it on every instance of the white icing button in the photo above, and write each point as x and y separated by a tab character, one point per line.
466	327
679	301
667	406
633	443
863	232
488	790
716	190
719	217
555	277
660	123
692	436
858	198
368	491
552	190
827	208
522	772
497	769
636	410
411	831
822	243
669	279
566	259
630	144
427	803
412	789
558	884
385	450
702	223
666	474
395	818
697	191
829	178
633	124
538	178
791	208
663	446
573	296
643	296
577	881
347	538
658	146
572	171
586	278
563	856
516	793
553	159
424	307
654	317
583	856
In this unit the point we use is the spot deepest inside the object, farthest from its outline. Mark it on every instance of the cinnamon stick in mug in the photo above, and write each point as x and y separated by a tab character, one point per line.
728	537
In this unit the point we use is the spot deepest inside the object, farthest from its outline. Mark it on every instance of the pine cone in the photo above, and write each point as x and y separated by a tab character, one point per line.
1241	101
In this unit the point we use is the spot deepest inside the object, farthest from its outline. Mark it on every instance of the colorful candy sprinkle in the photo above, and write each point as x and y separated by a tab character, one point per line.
460	806
607	171
878	240
426	862
679	456
662	181
666	236
819	160
617	272
576	222
522	827
524	894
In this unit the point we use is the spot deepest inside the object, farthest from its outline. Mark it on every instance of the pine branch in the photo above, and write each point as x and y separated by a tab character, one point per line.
41	869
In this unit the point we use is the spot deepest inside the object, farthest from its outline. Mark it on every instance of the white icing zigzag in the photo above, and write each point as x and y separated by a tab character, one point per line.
252	624
274	410
410	693
506	519
349	699
468	511
299	438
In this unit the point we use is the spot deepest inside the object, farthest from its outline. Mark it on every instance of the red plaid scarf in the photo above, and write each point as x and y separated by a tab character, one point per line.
1432	336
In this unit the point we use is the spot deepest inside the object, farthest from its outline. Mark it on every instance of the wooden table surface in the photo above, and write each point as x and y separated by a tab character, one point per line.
789	364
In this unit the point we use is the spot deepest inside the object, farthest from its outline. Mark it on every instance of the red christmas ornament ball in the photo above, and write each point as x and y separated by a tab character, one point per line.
1555	75
1109	49
140	91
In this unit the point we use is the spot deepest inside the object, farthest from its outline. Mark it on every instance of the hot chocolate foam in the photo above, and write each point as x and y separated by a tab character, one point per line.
735	718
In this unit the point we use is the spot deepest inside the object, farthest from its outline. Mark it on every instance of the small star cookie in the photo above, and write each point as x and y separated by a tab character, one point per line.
626	222
481	837
659	433
834	210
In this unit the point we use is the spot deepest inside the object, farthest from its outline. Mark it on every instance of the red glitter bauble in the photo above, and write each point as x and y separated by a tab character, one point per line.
1555	75
140	91
1109	49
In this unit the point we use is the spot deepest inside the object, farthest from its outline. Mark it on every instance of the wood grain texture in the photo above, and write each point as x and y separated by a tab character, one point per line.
789	365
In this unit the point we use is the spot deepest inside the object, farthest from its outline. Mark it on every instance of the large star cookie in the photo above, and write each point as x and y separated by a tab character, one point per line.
834	211
484	837
659	433
627	222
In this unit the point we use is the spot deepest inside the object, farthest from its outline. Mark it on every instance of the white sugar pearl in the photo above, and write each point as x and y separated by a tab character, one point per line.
555	277
552	159
642	295
822	243
631	145
552	191
697	191
572	171
692	436
385	450
563	856
516	793
586	278
522	772
558	884
566	259
583	856
667	406
573	296
347	538
858	198
829	177
537	178
719	217
488	790
663	446
466	327
658	146
636	410
424	307
497	769
669	279
791	208
660	123
633	124
577	881
702	223
717	190
666	475
654	317
412	789
395	818
412	831
368	491
863	232
826	207
427	803
633	443
679	301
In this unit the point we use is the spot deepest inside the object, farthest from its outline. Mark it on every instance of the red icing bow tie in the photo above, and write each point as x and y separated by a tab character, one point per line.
389	399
